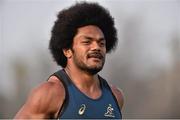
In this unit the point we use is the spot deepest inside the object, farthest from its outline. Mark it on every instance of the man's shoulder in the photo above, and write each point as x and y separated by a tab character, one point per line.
118	93
48	96
49	90
44	101
52	87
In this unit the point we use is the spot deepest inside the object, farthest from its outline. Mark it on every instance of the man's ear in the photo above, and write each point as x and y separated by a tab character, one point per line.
67	53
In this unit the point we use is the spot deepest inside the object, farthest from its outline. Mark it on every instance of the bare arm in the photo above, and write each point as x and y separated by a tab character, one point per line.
119	95
44	101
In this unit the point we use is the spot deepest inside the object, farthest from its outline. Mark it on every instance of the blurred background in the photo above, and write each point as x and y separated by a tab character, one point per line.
145	65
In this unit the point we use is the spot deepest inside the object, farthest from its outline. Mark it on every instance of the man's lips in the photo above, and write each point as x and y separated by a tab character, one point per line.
95	55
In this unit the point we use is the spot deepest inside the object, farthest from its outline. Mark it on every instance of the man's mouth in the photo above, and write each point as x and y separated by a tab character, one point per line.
95	55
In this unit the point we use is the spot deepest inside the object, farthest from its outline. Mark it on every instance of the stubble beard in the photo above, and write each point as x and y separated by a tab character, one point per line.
92	70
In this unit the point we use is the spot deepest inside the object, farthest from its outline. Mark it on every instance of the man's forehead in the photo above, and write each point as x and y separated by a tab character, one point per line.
90	31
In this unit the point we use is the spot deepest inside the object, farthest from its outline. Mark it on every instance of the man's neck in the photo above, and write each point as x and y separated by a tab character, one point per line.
86	83
81	76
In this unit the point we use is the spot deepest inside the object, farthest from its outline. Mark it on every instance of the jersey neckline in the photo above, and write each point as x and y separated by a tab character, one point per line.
86	96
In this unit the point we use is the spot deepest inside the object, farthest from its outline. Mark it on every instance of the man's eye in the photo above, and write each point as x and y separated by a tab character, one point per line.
102	44
86	42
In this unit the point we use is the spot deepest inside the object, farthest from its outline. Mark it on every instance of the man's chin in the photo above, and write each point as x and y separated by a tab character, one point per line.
94	70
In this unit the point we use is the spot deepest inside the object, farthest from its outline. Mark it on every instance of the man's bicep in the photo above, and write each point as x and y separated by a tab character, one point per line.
36	104
28	111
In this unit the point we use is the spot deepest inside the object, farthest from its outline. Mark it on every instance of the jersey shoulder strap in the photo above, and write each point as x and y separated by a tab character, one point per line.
61	75
106	84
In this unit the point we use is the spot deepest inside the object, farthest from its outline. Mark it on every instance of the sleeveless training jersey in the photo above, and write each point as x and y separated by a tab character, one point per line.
79	106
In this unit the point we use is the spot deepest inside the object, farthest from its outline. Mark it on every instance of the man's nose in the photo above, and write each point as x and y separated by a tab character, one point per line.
95	46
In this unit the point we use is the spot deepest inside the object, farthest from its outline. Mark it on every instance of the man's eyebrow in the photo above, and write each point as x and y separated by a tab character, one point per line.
90	38
87	37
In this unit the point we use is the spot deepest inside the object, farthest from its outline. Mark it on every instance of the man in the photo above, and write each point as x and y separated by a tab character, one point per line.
81	37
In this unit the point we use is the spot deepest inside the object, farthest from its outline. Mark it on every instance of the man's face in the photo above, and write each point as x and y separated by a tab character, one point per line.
89	49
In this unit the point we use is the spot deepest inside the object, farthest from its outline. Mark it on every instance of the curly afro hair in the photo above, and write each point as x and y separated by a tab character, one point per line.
79	15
